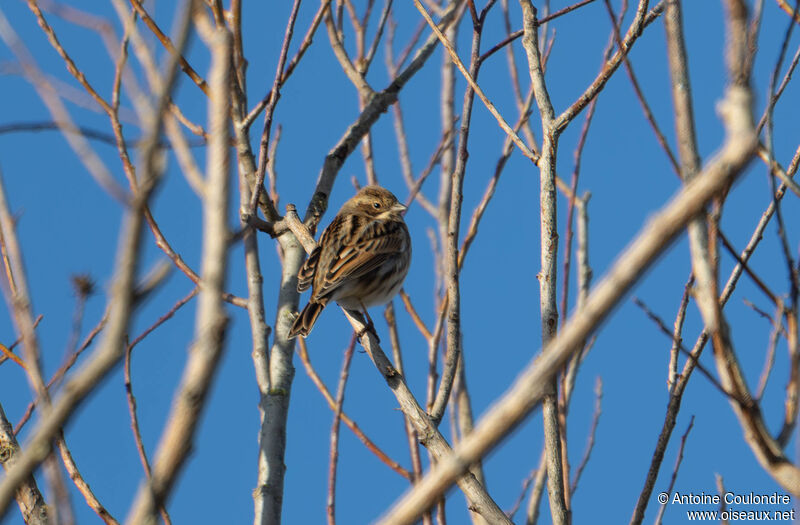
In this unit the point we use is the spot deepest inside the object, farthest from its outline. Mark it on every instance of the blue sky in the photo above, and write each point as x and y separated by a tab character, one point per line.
68	225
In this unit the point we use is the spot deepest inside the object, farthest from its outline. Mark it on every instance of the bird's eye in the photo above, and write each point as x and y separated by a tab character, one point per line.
376	205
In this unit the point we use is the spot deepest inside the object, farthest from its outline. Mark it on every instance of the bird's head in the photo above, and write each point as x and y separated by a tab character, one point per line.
375	202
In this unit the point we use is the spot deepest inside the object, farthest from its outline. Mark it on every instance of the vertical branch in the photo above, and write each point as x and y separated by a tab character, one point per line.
275	406
448	120
259	332
793	386
337	418
514	74
464	423
578	154
677	330
274	402
450	241
30	500
557	484
263	154
411	433
176	441
269	493
704	273
444	205
532	512
569	376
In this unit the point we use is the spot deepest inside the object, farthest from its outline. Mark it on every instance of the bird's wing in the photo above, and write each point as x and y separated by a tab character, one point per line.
375	242
306	274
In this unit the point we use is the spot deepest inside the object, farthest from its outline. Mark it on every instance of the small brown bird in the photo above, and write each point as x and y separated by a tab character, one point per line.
361	259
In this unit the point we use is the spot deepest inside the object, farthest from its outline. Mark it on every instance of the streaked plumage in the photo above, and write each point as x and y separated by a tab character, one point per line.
361	260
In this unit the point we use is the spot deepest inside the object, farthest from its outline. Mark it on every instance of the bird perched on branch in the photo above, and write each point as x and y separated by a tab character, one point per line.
361	260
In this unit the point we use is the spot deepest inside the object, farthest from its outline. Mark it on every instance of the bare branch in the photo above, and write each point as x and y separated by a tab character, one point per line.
31	503
598	409
678	460
211	323
122	298
527	391
337	418
263	153
557	480
94	165
478	91
431	438
302	352
169	46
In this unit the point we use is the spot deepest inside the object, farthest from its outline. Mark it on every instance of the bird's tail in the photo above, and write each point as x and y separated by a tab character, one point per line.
306	319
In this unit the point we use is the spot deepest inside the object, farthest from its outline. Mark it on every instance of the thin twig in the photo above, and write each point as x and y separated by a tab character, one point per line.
414	315
411	433
337	418
660	515
648	114
690	355
516	34
270	110
304	45
677	340
777	328
598	405
471	81
526	483
302	352
532	514
639	23
52	100
169	46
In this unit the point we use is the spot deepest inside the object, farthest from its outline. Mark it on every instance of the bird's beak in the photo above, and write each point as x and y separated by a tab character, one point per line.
399	208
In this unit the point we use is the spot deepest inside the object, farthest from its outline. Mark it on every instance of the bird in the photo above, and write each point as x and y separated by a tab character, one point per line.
361	260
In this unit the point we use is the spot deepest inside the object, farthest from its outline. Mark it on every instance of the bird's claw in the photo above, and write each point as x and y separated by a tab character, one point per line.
369	327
